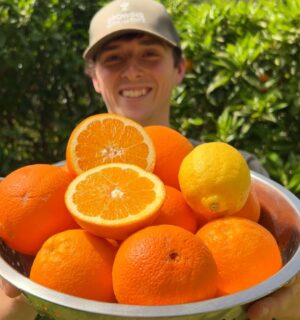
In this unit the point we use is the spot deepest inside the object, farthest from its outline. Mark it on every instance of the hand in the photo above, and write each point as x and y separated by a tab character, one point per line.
8	289
13	305
281	305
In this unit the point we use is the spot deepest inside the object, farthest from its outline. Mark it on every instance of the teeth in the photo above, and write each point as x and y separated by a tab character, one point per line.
134	93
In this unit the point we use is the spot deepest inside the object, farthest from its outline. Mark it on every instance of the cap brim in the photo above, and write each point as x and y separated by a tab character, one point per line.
89	53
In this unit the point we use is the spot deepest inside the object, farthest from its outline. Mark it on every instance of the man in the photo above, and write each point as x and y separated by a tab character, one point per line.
134	60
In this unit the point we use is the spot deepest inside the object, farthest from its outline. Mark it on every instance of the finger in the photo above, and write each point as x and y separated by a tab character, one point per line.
9	289
273	306
15	309
260	310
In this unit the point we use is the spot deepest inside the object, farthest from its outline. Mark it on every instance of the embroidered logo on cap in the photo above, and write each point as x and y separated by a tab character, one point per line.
125	16
124	6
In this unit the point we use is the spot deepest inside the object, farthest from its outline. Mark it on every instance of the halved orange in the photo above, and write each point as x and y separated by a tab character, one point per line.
115	200
106	138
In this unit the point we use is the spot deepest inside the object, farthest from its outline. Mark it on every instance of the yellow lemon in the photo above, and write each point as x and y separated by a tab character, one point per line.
215	179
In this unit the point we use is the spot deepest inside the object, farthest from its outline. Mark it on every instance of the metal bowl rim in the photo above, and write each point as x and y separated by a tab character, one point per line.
289	270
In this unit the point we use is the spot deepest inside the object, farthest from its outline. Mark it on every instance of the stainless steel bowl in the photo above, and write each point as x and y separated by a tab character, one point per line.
280	215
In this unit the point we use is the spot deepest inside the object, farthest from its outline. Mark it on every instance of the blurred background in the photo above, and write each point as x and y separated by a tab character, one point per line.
242	84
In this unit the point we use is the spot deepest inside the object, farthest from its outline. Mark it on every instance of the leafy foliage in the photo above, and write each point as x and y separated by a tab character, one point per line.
43	91
242	85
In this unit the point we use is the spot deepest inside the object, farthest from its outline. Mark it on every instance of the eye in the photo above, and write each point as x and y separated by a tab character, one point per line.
112	59
151	54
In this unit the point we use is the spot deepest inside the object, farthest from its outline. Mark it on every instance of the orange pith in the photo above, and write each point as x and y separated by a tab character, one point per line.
113	200
107	138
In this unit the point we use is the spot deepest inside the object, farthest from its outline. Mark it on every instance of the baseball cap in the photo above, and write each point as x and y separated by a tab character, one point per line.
123	16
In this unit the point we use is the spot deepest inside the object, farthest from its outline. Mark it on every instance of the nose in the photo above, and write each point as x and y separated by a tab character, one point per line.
132	70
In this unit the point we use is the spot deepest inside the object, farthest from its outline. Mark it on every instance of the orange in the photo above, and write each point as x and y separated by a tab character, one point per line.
251	209
215	179
32	206
114	200
76	263
175	211
189	65
161	265
106	138
65	167
170	148
245	252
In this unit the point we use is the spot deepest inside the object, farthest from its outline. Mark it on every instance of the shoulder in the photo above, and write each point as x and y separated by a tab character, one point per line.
253	163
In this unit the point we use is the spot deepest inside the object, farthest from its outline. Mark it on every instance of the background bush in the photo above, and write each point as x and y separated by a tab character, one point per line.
242	86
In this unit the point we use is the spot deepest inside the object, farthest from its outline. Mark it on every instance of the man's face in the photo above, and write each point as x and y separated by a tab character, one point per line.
135	78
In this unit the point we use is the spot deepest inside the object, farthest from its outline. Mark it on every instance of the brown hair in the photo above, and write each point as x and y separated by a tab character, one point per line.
89	65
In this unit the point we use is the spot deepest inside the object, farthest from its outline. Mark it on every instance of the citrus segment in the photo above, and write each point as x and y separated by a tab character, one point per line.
161	265
106	138
114	200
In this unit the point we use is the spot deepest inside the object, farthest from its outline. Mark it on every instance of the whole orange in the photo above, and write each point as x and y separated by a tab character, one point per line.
32	206
161	265
189	65
77	263
245	252
171	147
251	209
175	211
65	167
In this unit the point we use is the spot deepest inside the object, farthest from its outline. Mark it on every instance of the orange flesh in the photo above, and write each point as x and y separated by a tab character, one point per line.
110	142
113	194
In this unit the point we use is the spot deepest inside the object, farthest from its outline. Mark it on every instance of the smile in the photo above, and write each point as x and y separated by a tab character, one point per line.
134	93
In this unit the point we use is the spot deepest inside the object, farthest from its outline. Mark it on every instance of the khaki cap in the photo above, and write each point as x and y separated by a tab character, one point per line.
123	16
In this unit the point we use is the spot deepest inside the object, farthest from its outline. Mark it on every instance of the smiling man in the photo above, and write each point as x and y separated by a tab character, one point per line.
134	60
135	74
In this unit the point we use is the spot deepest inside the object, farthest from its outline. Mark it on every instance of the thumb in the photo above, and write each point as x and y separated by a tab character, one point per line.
282	304
9	289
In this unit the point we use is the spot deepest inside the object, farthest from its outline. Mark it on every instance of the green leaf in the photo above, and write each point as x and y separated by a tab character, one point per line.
221	79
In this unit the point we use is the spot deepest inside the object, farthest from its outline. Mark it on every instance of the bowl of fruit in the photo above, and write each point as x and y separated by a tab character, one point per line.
138	224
